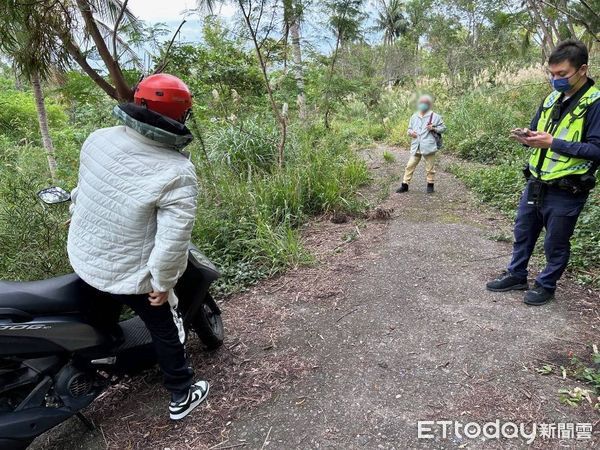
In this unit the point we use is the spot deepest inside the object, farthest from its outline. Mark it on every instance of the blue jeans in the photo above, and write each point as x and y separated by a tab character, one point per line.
557	213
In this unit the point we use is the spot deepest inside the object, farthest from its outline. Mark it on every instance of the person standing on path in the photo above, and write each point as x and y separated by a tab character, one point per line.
425	128
565	143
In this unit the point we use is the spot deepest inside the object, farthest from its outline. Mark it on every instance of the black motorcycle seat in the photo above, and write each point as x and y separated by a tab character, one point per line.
64	294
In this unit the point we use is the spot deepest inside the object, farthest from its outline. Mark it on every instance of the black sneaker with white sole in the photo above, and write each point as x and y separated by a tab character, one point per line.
196	395
507	282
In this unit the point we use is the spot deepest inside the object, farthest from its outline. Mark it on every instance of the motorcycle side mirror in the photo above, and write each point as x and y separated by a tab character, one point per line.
53	195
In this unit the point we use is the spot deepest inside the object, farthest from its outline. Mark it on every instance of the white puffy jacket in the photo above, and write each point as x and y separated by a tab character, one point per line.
132	214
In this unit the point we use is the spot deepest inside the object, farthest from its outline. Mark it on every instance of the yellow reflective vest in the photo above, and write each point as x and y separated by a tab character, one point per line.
547	165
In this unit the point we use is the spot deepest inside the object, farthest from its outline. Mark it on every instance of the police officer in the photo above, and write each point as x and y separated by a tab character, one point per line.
565	141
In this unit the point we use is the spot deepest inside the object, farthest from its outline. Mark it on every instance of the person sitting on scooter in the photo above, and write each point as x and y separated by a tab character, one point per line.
132	217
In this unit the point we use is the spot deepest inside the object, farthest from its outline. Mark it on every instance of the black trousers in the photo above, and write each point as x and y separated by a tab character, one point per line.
166	328
557	214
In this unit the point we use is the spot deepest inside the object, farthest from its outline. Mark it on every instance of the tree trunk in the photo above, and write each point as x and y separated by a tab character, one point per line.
569	19
555	29
338	40
298	66
534	8
417	59
79	57
18	84
124	91
40	105
279	116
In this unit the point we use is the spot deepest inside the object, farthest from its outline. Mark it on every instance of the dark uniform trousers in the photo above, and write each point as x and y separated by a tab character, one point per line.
557	213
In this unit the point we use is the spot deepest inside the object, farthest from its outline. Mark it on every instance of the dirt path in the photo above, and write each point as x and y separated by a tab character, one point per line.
416	337
392	326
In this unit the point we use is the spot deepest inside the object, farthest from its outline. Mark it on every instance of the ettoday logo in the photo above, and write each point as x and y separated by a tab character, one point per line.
528	432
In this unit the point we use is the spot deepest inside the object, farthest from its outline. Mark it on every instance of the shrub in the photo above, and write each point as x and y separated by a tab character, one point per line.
360	131
501	185
479	122
18	116
32	235
388	157
249	224
244	148
399	132
585	245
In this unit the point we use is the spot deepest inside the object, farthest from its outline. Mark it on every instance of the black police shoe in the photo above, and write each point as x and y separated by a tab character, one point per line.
538	296
507	282
430	188
403	188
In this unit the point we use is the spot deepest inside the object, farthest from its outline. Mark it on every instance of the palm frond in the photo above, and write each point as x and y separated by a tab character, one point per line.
122	45
391	20
109	10
33	49
207	6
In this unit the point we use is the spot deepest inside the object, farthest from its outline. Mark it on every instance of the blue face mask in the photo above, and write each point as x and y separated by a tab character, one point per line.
563	84
423	107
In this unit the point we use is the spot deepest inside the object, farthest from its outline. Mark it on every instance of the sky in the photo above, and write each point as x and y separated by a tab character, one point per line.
172	12
167	10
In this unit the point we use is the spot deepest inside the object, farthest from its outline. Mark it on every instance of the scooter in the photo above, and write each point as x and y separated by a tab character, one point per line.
54	362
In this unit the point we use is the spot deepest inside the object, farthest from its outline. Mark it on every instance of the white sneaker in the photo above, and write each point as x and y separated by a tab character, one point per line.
196	395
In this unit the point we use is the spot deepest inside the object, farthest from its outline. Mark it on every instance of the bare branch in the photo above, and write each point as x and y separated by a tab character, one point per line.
260	14
116	30
80	59
584	3
578	20
163	64
270	28
540	20
263	66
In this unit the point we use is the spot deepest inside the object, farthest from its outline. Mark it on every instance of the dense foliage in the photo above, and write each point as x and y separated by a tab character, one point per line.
277	116
249	209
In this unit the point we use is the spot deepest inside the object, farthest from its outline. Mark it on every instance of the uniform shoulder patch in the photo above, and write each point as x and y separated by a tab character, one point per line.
588	100
594	96
551	99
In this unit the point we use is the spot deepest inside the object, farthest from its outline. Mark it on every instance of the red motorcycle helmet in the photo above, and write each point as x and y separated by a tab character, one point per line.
165	94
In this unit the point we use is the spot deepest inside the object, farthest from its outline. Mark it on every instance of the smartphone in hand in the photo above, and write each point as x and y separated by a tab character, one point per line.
520	132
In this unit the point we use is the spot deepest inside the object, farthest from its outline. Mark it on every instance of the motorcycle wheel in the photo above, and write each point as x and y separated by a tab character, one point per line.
208	325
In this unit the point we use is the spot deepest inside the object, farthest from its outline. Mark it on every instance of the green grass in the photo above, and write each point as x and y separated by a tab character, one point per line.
32	235
249	225
586	371
249	209
389	157
497	185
